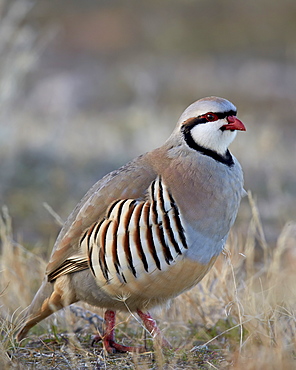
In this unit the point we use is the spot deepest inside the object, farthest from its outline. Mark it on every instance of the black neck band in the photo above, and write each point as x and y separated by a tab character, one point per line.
226	159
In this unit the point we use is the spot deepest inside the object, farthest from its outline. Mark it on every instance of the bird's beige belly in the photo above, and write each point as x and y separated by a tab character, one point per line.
156	287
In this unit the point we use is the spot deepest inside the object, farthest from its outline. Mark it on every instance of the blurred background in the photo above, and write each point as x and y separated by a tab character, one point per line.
87	85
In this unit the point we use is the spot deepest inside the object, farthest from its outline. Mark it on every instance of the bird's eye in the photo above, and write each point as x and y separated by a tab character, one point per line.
211	117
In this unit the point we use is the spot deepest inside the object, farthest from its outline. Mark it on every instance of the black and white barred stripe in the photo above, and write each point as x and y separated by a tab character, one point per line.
136	237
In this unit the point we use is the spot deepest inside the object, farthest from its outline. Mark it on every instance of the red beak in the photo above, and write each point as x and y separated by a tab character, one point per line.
234	124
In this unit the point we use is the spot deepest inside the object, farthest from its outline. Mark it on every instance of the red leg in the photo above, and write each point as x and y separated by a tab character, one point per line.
109	337
151	326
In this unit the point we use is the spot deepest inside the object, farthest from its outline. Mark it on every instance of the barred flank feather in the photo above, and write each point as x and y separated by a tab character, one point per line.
136	237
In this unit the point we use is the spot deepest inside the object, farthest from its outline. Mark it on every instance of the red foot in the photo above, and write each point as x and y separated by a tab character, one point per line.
113	347
109	337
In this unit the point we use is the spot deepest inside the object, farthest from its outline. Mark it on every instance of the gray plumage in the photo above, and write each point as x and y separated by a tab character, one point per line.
152	229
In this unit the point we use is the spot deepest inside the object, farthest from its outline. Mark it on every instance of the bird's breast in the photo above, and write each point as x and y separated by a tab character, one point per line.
208	195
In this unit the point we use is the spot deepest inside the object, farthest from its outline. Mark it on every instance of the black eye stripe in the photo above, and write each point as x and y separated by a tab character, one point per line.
224	114
191	122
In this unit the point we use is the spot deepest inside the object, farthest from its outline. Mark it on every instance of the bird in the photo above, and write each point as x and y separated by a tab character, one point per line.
152	229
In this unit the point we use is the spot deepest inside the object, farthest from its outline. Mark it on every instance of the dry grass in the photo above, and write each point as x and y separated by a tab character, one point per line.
242	315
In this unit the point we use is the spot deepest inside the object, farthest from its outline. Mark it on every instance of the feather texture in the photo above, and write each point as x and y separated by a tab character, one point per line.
152	229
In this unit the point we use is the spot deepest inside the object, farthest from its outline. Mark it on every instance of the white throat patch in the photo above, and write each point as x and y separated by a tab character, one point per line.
209	136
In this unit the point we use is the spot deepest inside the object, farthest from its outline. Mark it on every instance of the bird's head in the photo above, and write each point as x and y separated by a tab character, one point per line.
211	124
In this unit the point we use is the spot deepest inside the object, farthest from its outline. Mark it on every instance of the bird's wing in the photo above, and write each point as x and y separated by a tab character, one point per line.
130	181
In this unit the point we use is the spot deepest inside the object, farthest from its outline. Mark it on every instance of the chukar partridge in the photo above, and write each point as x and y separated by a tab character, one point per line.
152	229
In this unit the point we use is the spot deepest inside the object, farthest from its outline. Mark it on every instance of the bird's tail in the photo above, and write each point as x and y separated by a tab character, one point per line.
47	300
